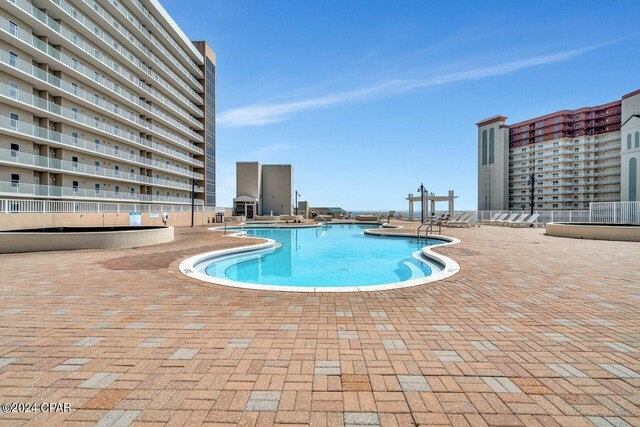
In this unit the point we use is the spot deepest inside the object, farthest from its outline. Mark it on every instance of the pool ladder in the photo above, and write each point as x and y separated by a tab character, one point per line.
429	224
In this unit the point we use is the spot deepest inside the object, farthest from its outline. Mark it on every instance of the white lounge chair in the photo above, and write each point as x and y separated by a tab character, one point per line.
463	221
518	219
454	219
509	219
502	217
493	218
531	222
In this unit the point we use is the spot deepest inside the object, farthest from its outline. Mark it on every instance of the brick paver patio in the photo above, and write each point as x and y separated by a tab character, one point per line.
534	330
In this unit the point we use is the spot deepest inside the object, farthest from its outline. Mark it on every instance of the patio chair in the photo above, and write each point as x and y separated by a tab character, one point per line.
531	222
510	219
454	219
517	220
493	218
460	222
502	217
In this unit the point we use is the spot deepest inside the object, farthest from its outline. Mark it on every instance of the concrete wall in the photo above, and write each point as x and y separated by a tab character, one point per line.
595	232
277	189
493	177
38	242
249	180
630	127
12	221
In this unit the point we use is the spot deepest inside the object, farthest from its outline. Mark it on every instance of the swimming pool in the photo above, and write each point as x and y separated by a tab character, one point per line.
333	257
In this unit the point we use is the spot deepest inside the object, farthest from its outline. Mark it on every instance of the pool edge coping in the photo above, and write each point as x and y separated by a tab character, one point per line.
450	267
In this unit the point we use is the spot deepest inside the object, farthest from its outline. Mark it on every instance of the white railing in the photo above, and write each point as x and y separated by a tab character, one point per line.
64	206
545	216
50	191
615	212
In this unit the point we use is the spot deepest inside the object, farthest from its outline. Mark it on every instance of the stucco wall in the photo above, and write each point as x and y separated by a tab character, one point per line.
10	221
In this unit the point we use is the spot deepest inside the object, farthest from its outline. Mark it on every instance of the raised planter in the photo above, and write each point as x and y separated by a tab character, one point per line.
595	231
73	238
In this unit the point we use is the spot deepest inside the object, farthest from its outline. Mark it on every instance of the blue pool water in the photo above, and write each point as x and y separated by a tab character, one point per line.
338	255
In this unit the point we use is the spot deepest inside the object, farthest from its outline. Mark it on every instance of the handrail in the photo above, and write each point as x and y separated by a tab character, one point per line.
429	222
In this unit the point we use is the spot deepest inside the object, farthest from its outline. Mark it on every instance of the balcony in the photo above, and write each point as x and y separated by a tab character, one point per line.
54	192
22	98
42	135
126	35
92	54
32	161
54	55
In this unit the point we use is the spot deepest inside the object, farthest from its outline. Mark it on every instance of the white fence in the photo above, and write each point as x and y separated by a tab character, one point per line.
615	212
63	206
545	216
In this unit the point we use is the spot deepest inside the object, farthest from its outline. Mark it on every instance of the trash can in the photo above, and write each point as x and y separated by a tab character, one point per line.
219	216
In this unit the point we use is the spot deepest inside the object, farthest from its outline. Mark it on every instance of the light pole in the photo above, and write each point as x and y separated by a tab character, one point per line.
532	181
421	189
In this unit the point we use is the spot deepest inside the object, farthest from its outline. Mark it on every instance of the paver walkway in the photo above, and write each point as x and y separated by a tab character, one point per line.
534	330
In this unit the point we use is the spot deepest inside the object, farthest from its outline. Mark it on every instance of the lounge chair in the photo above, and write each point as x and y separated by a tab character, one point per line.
461	222
454	219
531	222
493	218
502	217
510	219
518	219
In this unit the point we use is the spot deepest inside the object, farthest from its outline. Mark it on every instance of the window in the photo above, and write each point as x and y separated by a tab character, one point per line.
491	145
74	88
74	113
116	170
484	147
132	190
116	148
97	164
15	180
74	138
116	189
96	98
13	90
13	28
74	162
74	184
97	188
116	130
13	59
96	121
14	119
97	141
633	179
637	142
14	150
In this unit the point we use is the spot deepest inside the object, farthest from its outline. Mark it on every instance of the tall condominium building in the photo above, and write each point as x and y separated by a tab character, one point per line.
568	158
104	100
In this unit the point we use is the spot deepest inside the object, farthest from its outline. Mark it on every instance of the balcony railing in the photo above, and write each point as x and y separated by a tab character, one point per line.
10	206
13	157
50	191
96	55
94	76
47	136
78	118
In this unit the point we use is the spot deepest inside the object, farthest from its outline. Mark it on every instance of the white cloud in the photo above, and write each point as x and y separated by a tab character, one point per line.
265	113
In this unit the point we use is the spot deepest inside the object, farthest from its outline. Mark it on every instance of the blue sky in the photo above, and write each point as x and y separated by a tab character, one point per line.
367	98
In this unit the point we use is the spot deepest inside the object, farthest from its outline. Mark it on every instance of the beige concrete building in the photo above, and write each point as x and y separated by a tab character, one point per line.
104	100
263	189
575	157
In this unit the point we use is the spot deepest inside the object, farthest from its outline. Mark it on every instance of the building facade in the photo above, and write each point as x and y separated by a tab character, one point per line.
104	100
562	161
263	189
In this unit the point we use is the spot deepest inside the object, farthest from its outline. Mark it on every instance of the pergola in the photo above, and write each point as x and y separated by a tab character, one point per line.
429	202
